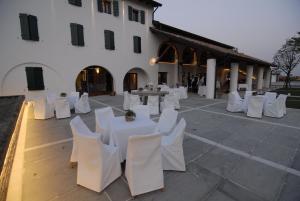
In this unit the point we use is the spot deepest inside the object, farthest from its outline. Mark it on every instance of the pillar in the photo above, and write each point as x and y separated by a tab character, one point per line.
234	75
260	78
268	78
249	77
210	78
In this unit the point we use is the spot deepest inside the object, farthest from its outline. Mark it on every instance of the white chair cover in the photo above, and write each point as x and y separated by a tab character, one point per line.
126	102
248	94
83	105
42	109
51	98
255	106
269	97
235	103
153	104
73	98
166	121
62	108
165	88
134	101
98	164
171	101
103	122
144	170
276	108
284	102
202	90
141	111
183	91
171	147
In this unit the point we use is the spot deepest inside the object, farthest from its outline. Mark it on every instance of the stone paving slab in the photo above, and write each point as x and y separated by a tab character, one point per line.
212	173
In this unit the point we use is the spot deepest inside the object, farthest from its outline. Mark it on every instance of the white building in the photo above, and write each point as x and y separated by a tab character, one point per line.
101	46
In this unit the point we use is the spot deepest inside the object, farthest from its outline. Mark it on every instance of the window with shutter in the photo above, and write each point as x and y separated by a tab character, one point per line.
137	44
116	8
129	13
109	40
100	6
75	2
77	36
29	27
35	80
135	15
142	13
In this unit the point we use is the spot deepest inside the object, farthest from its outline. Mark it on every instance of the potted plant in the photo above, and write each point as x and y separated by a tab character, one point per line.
130	115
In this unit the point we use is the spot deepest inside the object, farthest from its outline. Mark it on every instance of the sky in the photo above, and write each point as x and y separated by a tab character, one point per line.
256	27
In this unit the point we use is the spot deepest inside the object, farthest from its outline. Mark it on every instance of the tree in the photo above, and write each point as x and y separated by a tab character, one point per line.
288	57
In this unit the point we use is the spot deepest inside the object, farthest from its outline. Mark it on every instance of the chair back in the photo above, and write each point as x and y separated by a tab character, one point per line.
126	100
282	100
142	111
73	98
167	120
153	104
270	97
178	132
103	119
83	105
62	108
51	97
134	101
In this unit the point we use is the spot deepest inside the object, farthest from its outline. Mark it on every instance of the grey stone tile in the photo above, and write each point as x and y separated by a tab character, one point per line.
275	153
261	179
81	194
291	188
118	190
243	144
218	196
281	139
296	161
220	162
193	148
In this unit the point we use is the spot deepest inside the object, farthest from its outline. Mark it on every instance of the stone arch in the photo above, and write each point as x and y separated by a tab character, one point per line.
189	56
167	53
95	80
135	78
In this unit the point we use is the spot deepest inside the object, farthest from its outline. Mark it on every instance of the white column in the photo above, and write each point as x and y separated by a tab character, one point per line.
234	75
210	78
260	78
268	78
249	77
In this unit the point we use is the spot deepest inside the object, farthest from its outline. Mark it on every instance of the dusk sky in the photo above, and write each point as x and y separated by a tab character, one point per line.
256	27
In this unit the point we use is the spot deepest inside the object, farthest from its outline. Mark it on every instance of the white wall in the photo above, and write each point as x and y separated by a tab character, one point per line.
60	60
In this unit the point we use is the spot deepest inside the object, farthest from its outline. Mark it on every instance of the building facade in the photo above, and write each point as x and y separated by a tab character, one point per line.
104	46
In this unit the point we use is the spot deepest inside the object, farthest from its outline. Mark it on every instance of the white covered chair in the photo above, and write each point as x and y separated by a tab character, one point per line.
83	105
235	103
134	101
277	108
269	97
171	148
103	122
170	101
42	109
98	164
247	95
144	170
183	91
62	108
255	106
167	121
126	102
153	103
141	111
202	90
51	98
73	98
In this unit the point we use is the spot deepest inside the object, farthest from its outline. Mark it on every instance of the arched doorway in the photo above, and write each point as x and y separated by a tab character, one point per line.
94	80
134	79
167	53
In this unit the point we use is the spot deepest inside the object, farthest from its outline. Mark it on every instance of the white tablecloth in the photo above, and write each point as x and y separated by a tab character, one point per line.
121	130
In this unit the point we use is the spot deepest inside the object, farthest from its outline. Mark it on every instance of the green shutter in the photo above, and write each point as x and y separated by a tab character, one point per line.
75	2
33	28
142	13
109	8
107	39
136	44
24	27
129	13
100	6
116	8
80	35
35	80
74	34
112	40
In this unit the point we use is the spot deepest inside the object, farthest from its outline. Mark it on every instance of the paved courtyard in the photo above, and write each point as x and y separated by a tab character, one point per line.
229	157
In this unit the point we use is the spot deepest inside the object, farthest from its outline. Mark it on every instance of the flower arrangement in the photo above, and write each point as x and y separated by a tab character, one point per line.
130	115
63	94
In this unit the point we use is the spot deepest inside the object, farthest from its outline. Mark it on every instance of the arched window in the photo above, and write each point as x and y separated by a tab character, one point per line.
167	53
189	56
